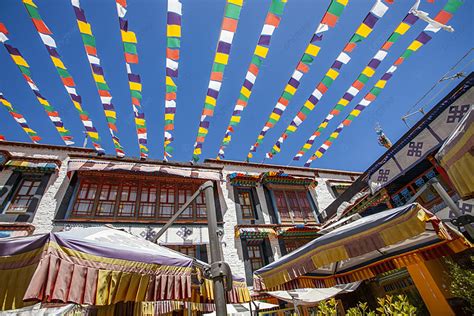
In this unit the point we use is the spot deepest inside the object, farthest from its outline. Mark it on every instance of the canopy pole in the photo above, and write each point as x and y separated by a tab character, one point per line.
217	264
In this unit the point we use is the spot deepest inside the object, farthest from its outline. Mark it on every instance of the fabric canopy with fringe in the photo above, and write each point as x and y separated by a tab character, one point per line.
362	249
98	266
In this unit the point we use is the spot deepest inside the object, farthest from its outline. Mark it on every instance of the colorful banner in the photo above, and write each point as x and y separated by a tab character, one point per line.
410	19
272	21
363	31
24	68
129	40
103	89
66	78
20	119
328	21
423	38
229	25
173	44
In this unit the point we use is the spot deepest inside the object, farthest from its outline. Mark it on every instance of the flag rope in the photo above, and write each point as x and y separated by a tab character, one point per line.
67	80
98	74
363	31
129	41
24	68
173	45
328	21
20	119
272	21
423	38
229	25
368	72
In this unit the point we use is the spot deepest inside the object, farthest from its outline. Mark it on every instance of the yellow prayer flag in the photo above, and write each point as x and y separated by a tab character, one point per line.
235	119
369	72
42	101
197	151
290	89
128	37
30	2
312	50
291	128
93	135
276	148
77	105
203	130
98	78
222	58
19	61
169	116
135	86
415	45
307	146
309	105
343	102
261	51
319	154
343	2
84	27
29	130
173	30
61	129
323	125
363	30
332	74
402	28
111	114
246	92
139	121
236	2
170	82
210	100
274	116
57	62
381	84
334	135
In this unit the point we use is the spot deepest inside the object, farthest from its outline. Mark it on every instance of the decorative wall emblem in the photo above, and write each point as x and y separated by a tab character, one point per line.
456	113
383	175
414	149
184	232
149	233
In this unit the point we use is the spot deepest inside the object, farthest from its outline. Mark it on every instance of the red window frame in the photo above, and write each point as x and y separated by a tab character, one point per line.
293	205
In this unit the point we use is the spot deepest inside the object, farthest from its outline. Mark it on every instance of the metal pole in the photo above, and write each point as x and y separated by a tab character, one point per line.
181	210
216	253
454	208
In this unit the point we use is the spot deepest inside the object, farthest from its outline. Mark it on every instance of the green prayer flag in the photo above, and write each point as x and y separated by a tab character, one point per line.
307	59
336	8
173	43
277	7
88	40
232	11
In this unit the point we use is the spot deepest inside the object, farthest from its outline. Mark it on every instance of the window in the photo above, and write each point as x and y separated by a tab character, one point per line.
255	256
293	244
24	195
293	205
142	198
246	202
147	202
107	198
85	199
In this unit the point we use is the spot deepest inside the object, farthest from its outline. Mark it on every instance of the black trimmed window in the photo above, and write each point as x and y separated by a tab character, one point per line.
24	195
247	203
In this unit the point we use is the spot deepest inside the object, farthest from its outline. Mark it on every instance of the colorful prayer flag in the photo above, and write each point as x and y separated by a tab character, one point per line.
423	38
328	21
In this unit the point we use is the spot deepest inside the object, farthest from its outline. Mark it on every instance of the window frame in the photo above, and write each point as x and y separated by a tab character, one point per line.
139	183
307	216
16	193
253	205
251	259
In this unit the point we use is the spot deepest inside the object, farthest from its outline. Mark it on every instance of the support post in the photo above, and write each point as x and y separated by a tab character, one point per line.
216	251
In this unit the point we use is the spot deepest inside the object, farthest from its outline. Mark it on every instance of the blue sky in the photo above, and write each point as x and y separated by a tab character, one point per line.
355	149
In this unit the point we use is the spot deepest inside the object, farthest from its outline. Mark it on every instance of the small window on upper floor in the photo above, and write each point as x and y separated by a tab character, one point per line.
24	195
247	203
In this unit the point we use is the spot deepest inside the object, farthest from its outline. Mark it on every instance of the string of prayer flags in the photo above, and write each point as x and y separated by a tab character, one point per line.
103	89
272	21
229	25
364	30
25	70
408	21
173	45
423	38
129	41
328	21
68	82
20	119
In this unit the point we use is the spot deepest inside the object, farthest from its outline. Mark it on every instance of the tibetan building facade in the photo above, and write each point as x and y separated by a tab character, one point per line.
263	211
